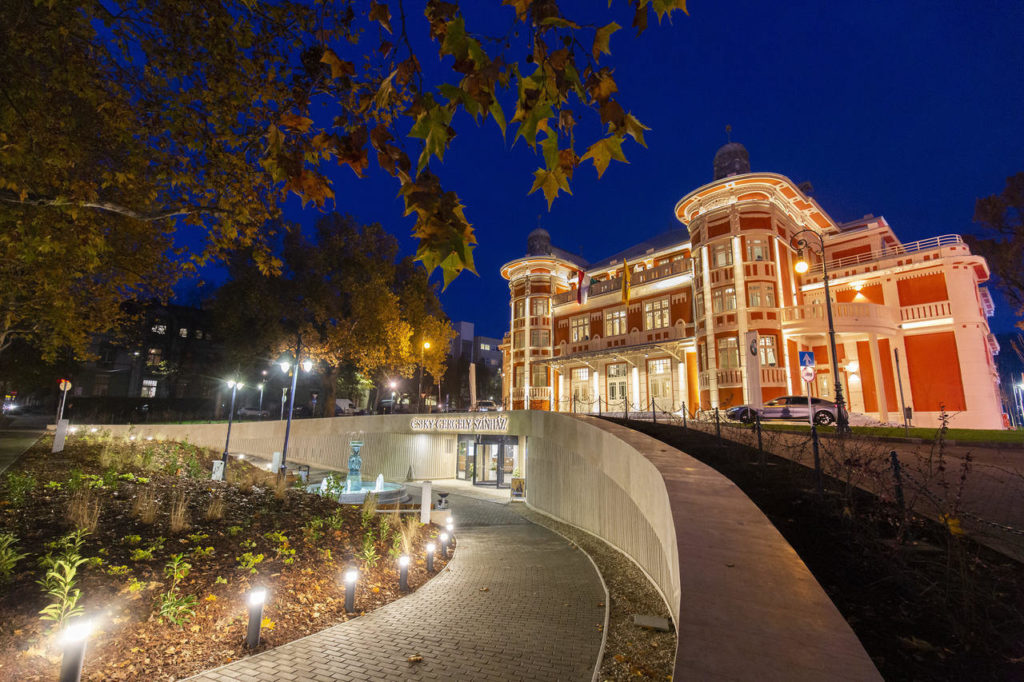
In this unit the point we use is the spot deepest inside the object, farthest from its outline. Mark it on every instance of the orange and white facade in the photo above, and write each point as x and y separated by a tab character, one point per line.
907	316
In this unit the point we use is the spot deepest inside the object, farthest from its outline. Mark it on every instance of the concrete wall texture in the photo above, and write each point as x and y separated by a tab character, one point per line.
744	603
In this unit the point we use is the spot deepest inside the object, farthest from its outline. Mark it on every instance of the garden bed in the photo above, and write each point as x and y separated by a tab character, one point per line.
152	510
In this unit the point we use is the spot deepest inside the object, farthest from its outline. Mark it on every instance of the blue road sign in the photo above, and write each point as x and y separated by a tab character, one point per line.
806	358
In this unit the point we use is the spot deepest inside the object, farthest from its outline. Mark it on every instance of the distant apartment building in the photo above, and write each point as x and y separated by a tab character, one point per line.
714	314
476	349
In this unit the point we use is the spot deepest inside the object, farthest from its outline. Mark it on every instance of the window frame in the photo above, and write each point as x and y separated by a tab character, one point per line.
579	328
615	319
727	352
657	310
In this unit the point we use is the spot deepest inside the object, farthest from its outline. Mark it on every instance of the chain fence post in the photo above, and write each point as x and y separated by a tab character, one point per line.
817	460
760	445
654	415
898	480
718	426
684	415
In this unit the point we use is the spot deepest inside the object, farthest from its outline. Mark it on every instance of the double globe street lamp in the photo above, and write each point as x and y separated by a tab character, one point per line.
802	266
234	386
286	365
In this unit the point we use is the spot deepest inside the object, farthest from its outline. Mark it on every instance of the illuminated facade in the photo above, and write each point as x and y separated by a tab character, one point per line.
716	316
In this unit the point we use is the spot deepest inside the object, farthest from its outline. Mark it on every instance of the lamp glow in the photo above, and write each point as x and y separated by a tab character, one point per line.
131	437
852	366
426	345
307	364
403	561
93	430
257	596
801	266
73	429
444	538
351	576
285	365
76	632
231	384
431	547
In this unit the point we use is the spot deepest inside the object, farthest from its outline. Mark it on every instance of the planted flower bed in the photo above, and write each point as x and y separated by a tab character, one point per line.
135	538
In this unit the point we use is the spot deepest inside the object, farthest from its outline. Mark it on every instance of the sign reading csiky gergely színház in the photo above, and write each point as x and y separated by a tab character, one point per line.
464	424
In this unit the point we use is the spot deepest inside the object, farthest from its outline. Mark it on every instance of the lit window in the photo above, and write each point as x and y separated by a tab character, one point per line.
154	357
615	322
520	309
539	306
761	294
660	366
728	353
702	356
699	305
721	255
160	328
538	375
199	333
766	347
579	328
723	299
656	314
485	346
757	249
540	337
518	377
518	340
149	388
619	369
581	374
183	333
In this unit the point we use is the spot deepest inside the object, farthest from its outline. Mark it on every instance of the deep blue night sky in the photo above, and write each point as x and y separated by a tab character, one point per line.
908	110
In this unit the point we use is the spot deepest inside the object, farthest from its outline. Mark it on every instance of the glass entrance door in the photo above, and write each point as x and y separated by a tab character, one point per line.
494	461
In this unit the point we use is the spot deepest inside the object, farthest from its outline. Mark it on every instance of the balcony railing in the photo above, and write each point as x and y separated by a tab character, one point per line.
888	252
730	377
677	267
518	393
773	376
540	393
841	312
925	311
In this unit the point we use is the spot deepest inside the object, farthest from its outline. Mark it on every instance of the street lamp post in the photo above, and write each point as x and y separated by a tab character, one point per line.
234	386
393	385
419	387
260	409
285	365
801	267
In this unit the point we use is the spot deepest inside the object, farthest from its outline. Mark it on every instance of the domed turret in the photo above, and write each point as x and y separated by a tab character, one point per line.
538	243
731	159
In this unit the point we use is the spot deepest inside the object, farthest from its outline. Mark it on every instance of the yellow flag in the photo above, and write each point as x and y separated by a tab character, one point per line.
625	282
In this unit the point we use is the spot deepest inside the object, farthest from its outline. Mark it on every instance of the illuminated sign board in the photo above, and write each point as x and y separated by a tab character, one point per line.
463	424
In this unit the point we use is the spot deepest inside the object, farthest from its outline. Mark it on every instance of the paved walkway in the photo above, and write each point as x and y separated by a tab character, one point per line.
13	443
538	620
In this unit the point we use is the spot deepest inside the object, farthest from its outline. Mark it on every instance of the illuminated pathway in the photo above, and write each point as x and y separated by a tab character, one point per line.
539	618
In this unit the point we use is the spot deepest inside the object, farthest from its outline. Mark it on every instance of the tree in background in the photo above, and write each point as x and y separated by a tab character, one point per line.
1001	242
199	118
343	296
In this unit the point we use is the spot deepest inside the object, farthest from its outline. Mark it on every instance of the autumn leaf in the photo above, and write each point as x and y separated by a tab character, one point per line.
602	37
550	182
380	13
296	122
339	67
635	129
521	7
603	152
432	128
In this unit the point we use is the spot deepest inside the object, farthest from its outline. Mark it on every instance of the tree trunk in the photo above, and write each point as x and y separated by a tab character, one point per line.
330	390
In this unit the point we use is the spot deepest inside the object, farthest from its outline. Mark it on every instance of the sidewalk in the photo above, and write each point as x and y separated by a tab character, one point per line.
516	603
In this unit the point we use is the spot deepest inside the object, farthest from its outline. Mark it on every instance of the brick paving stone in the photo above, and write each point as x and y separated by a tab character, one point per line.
534	622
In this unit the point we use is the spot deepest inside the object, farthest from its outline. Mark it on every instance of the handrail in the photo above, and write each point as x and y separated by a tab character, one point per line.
889	252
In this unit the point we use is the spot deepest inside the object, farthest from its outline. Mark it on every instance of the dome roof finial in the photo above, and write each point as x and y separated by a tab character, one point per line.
731	158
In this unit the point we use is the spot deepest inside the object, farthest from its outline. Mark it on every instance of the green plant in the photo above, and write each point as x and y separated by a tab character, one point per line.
333	485
136	585
111	479
195	469
202	553
197	537
53	485
19	486
131	539
220	581
368	510
336	520
249	561
94	562
247	544
59	585
312	531
384	528
118	570
284	551
234	530
75	480
175	607
66	546
368	555
395	550
140	554
326	554
8	555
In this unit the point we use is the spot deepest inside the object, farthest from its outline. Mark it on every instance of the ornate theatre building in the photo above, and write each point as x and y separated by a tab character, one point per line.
718	314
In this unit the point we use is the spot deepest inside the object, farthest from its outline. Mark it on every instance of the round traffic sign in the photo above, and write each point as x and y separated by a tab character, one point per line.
807	372
64	385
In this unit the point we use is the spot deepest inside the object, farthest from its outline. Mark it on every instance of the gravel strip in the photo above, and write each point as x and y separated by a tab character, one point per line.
630	651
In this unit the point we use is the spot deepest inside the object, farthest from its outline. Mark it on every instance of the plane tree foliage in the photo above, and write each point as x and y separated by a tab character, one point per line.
1001	240
174	130
343	294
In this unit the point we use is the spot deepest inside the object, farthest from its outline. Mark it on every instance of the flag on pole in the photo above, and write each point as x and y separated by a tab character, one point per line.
625	282
582	287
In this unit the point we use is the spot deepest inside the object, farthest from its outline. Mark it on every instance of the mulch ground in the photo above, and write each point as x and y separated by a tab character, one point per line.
121	588
930	606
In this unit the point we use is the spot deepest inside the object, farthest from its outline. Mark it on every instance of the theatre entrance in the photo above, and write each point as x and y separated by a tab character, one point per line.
488	460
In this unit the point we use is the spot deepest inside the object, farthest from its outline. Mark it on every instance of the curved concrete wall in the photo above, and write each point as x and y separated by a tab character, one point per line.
745	605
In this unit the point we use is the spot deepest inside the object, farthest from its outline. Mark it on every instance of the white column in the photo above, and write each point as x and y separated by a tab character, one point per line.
681	365
876	370
635	395
739	283
595	389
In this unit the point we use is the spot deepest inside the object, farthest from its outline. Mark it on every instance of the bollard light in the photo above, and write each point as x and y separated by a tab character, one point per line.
131	437
351	576
444	545
450	527
256	600
72	640
403	573
149	437
93	430
73	429
431	547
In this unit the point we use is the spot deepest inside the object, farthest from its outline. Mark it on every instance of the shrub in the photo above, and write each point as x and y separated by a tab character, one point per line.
368	510
131	539
19	486
334	485
336	520
179	512
202	553
175	607
8	555
75	480
368	555
312	531
215	509
59	585
111	479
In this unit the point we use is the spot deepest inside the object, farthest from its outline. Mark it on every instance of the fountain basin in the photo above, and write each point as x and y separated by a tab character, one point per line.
388	494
